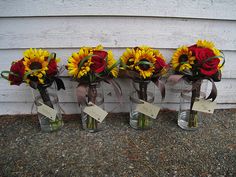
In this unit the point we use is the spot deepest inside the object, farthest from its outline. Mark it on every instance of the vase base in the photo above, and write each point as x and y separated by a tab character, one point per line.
134	122
183	121
48	126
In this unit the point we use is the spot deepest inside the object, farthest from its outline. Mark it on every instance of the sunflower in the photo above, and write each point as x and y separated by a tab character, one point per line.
74	68
127	58
36	62
182	59
111	64
209	45
144	63
145	48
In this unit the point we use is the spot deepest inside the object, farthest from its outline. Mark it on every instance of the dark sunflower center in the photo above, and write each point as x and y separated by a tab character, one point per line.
183	58
130	61
144	66
35	65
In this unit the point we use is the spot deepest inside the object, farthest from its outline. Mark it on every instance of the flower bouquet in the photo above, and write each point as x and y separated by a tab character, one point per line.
39	70
143	65
89	66
193	64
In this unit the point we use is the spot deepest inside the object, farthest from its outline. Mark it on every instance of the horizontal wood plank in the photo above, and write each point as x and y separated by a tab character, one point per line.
23	94
207	9
72	108
74	32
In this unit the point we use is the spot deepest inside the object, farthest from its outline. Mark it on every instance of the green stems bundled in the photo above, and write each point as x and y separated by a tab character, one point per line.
91	123
196	90
144	121
47	124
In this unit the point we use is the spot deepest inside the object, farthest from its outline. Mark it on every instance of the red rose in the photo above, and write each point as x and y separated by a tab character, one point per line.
99	61
209	67
160	64
52	68
18	69
192	48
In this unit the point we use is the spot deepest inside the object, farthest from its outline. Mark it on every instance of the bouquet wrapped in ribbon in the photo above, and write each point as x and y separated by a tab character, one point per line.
89	66
39	70
193	64
143	65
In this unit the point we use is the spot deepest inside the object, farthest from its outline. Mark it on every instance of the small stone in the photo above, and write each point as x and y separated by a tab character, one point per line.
131	167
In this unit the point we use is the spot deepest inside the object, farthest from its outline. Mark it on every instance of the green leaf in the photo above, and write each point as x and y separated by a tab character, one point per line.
145	63
223	57
113	66
122	65
30	72
83	61
211	58
8	72
52	56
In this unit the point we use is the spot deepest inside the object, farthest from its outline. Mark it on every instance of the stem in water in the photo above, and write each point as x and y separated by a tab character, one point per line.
196	88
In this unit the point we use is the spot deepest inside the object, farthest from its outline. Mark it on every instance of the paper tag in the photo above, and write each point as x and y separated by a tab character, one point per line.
203	105
47	111
148	109
95	112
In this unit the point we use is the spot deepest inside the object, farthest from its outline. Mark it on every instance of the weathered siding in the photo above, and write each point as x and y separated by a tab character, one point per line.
65	26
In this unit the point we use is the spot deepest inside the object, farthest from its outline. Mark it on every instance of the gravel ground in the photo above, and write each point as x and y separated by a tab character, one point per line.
118	150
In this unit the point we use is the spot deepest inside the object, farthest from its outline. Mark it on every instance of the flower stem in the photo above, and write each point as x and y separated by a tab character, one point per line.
142	119
45	97
193	117
47	101
92	95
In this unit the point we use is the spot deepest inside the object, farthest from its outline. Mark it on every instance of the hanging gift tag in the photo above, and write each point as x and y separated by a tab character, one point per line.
148	109
95	112
203	105
47	111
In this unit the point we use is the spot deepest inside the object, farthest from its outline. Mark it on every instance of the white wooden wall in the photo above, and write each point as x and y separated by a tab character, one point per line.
66	25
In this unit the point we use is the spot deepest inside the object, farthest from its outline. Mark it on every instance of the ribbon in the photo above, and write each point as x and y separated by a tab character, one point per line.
213	93
59	83
6	72
81	93
135	76
174	79
138	101
116	88
161	86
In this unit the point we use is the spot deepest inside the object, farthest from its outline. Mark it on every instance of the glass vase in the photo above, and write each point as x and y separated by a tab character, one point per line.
48	97
141	91
94	95
189	119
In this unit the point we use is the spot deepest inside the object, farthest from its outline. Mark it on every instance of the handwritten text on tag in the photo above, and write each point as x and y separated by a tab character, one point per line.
95	112
203	105
47	111
148	109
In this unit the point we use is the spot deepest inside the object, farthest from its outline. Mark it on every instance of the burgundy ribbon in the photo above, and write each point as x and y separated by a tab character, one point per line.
134	75
161	86
116	88
82	91
174	79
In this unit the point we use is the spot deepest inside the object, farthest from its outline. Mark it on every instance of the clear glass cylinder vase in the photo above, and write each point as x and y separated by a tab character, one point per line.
48	97
189	119
141	92
94	95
